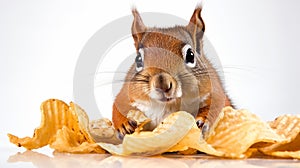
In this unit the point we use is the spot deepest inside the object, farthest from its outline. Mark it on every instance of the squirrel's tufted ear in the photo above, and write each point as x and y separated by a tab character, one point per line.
138	28
196	27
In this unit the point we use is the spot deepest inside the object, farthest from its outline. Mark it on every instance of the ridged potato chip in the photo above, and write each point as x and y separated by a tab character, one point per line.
194	140
67	140
237	130
288	127
63	127
50	123
166	135
232	135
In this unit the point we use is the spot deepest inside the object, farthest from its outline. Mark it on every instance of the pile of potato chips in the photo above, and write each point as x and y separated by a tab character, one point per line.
63	127
235	134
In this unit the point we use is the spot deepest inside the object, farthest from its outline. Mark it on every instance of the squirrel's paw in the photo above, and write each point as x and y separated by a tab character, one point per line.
204	126
127	127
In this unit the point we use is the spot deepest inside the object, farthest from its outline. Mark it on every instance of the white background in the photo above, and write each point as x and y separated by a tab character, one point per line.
40	41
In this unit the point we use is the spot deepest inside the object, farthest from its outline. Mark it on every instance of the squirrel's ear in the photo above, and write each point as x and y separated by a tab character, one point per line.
138	28
196	27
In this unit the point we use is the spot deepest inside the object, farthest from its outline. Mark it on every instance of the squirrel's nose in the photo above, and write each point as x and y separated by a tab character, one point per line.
163	82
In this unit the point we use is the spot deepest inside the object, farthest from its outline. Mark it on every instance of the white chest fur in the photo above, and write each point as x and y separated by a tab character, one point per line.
153	110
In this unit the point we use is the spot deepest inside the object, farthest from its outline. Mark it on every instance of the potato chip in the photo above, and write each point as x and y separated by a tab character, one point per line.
167	134
80	122
232	135
61	125
194	140
237	130
50	123
67	140
289	127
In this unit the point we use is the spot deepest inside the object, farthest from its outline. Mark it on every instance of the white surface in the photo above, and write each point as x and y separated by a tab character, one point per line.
45	159
41	41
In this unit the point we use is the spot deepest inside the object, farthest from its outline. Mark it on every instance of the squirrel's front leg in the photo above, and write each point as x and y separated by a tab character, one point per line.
208	115
122	124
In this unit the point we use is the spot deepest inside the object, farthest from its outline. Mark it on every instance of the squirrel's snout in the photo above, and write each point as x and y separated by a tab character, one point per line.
163	83
163	87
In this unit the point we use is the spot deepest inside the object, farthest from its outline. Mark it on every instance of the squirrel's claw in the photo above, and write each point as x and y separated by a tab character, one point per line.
204	126
127	128
200	123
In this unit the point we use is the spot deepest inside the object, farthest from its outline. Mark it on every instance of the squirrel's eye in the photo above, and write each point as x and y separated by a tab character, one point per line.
139	60
189	56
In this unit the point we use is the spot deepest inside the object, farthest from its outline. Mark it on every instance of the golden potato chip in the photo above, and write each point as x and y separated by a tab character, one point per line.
232	135
75	138
194	140
289	127
60	124
54	115
237	130
67	140
80	122
163	137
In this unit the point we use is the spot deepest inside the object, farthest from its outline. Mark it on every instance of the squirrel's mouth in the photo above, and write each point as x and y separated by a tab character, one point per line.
167	99
163	97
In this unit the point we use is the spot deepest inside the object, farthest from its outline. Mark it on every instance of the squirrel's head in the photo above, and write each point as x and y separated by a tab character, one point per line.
168	63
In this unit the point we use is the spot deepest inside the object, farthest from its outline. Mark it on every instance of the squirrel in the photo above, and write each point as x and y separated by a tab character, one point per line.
170	73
